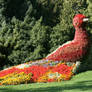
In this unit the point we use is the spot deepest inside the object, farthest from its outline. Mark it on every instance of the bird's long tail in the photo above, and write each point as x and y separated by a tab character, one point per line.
38	71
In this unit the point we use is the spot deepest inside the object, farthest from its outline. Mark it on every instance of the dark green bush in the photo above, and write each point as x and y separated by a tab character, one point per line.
31	29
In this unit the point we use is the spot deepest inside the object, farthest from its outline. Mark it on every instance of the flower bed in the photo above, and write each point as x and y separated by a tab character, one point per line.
38	71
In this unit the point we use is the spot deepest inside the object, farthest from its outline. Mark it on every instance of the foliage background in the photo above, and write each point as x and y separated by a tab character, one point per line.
31	29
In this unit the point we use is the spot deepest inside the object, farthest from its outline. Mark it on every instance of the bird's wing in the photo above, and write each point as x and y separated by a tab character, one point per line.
59	48
67	51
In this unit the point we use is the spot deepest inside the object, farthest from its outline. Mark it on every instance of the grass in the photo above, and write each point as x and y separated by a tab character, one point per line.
80	83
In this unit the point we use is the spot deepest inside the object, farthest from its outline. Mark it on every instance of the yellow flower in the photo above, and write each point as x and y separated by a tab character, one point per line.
42	79
16	78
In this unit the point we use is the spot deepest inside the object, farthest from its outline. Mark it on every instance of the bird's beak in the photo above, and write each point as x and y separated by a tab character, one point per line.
85	19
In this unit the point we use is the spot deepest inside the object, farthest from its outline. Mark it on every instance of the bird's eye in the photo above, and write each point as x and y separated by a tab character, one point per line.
81	18
76	23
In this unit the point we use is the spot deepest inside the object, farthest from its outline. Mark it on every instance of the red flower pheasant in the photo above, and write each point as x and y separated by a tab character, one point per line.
73	50
46	70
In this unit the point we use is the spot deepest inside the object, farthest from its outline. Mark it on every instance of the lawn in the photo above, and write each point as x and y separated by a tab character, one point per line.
79	83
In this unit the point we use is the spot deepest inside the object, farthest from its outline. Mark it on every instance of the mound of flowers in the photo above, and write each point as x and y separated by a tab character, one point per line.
38	71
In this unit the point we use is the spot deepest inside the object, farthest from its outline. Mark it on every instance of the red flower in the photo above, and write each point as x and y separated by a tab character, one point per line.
62	69
51	80
8	71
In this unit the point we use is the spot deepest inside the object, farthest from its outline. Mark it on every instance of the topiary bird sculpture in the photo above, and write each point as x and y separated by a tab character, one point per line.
57	66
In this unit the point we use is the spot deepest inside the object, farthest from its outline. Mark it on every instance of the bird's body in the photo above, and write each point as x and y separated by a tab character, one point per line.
73	50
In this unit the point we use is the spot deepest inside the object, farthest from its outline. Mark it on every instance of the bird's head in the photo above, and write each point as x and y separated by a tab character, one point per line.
79	20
